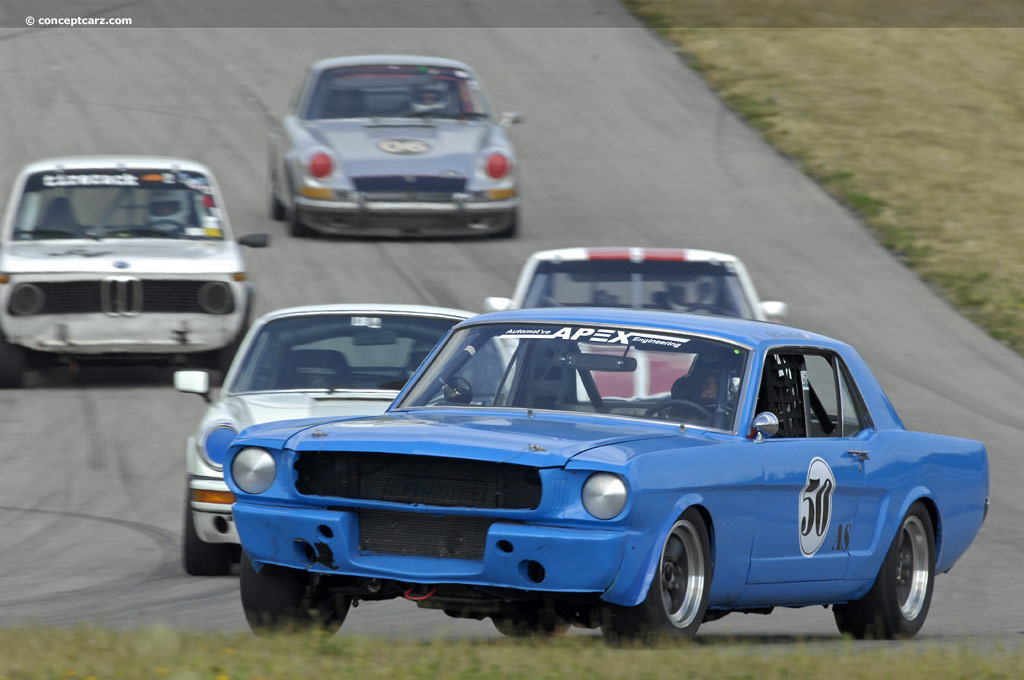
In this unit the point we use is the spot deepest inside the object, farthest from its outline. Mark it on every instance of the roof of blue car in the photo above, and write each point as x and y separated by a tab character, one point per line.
744	331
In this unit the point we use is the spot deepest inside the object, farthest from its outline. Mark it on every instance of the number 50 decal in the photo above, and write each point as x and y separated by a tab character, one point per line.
816	506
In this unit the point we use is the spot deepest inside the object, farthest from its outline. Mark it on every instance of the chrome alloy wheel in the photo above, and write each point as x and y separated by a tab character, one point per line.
912	568
681	574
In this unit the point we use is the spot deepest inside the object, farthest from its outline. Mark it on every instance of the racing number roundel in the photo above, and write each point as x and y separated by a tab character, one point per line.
403	146
816	506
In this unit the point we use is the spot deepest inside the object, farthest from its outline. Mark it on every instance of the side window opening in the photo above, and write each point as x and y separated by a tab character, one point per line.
804	391
782	393
854	413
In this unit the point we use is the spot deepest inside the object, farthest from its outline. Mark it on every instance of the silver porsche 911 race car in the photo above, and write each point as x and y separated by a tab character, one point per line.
387	145
119	258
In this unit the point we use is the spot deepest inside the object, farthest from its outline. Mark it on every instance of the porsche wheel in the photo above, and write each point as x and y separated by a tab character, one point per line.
510	230
275	207
201	558
678	596
278	598
12	365
898	602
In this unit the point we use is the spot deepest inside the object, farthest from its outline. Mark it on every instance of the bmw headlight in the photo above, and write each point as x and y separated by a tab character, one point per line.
215	298
253	470
26	299
604	495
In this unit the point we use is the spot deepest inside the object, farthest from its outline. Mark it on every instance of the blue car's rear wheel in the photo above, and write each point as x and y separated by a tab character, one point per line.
897	604
678	596
279	598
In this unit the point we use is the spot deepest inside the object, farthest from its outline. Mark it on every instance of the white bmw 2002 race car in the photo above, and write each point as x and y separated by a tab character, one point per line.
123	258
302	362
387	145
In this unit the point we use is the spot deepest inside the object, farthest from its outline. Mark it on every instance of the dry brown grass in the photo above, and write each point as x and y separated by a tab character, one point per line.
919	130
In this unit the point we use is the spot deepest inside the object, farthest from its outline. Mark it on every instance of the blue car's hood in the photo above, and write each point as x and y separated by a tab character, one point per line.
540	440
453	146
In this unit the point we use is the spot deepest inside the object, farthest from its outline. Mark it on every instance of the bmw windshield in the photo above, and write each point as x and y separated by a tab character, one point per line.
98	204
582	368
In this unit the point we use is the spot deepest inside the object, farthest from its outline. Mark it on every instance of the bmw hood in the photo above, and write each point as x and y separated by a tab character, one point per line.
448	147
270	406
122	256
540	440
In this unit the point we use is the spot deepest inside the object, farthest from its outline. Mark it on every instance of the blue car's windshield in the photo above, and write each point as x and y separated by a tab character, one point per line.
596	369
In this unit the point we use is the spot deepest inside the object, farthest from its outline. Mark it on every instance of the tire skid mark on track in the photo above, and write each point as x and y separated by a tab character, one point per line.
166	541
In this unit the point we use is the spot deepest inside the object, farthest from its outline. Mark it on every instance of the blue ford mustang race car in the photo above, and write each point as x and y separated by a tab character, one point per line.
638	471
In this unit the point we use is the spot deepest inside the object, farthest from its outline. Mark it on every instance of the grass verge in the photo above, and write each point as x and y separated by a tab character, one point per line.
919	131
92	654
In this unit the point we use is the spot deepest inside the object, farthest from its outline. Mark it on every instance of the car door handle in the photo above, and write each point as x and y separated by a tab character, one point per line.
859	455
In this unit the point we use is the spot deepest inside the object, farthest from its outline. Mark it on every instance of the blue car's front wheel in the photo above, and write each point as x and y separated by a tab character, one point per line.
276	598
678	597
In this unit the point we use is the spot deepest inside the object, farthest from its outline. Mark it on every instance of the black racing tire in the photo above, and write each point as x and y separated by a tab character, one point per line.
530	621
278	598
296	227
275	208
678	597
509	231
13	361
205	559
898	602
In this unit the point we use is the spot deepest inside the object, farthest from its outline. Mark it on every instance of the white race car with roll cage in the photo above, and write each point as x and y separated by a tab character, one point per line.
119	259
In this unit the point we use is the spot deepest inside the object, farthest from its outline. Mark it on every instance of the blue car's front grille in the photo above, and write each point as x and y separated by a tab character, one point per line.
409	187
407	533
424	480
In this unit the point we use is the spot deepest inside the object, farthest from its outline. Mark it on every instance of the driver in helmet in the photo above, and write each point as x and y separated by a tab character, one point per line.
426	99
696	294
169	210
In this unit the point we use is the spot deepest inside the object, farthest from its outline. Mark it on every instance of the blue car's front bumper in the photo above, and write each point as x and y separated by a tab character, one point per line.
327	541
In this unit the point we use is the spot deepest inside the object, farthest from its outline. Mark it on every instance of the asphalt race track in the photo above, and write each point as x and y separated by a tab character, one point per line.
623	145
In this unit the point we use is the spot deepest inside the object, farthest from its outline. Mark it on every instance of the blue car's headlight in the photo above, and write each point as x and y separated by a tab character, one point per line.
214	443
253	470
604	495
